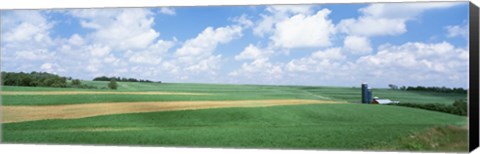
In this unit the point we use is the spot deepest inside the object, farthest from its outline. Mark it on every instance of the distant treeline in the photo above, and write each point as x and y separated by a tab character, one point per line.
33	79
430	89
40	79
437	89
459	107
104	78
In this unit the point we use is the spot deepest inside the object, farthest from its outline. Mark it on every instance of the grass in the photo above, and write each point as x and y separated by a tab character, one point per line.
324	126
320	126
438	138
220	91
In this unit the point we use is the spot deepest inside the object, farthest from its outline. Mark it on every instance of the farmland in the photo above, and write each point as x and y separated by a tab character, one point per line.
221	115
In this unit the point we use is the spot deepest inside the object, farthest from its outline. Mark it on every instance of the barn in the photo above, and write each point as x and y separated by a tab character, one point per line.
383	101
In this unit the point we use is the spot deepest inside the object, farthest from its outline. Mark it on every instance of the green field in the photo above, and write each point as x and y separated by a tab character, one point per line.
220	92
314	126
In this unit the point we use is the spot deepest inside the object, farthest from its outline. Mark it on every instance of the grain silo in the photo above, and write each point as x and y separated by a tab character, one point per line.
369	95
366	94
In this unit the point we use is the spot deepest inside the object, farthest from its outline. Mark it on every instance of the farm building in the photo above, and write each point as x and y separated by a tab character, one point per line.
383	101
367	96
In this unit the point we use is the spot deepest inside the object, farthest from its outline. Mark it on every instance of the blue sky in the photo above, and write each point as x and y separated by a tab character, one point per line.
328	44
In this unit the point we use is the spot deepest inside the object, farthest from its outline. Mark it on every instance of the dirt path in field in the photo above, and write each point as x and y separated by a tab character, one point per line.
95	92
30	113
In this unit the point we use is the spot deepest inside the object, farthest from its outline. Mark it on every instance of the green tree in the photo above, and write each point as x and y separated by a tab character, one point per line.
76	82
462	106
112	84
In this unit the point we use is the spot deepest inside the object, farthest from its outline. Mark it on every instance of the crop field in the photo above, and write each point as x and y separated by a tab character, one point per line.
220	115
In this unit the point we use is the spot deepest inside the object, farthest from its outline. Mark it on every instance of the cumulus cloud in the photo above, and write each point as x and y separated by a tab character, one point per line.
457	30
357	45
413	62
408	10
120	29
304	31
124	42
35	54
295	26
257	65
319	61
441	57
197	54
76	40
116	40
25	37
429	64
369	26
243	20
122	39
294	9
26	26
252	52
261	67
152	55
386	18
167	11
207	41
277	13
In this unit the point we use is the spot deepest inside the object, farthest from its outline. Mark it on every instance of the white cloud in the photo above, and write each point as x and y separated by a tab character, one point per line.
124	42
206	65
319	61
153	55
403	10
122	29
260	69
97	50
433	57
357	45
243	20
435	64
34	54
369	26
52	68
425	64
329	54
46	66
76	40
167	11
25	40
197	54
259	66
295	26
275	14
264	26
207	41
386	18
457	30
252	52
26	26
122	39
293	9
304	31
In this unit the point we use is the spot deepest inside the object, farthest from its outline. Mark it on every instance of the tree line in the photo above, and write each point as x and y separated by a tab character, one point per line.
459	107
437	89
44	79
33	79
41	79
120	79
429	89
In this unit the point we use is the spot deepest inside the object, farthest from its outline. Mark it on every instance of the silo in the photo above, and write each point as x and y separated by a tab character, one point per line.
369	95
364	92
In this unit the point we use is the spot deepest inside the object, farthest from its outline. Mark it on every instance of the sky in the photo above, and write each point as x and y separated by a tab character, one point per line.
407	44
